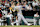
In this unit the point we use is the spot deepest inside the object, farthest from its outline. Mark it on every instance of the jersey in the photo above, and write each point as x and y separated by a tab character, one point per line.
18	8
10	16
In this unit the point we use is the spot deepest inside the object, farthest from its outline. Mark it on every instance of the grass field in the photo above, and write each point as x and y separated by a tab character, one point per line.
21	26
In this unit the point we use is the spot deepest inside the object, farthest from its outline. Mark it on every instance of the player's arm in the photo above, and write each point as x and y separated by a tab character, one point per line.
13	10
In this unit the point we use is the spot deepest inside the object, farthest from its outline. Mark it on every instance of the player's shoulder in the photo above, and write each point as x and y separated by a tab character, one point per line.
15	6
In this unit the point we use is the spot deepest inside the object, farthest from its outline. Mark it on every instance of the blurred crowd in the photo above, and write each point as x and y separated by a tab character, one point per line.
27	5
7	6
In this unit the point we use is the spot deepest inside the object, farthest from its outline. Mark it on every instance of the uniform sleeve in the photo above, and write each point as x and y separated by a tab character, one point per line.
14	8
21	7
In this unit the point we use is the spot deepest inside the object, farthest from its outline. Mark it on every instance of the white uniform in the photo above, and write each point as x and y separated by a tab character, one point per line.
10	16
35	19
20	16
1	21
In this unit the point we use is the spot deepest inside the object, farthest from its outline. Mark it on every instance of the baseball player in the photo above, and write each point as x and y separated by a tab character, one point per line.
19	14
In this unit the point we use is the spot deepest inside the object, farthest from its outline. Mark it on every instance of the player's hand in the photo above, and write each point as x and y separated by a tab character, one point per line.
13	10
